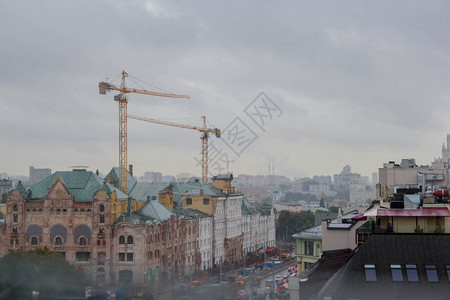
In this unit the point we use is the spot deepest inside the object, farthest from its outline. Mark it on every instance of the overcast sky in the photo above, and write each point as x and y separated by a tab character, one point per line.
355	82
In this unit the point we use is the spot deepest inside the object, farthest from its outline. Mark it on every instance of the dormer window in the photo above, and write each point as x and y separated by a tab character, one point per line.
370	272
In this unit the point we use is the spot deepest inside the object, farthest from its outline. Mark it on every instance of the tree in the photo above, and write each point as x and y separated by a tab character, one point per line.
4	197
321	203
333	209
289	223
41	270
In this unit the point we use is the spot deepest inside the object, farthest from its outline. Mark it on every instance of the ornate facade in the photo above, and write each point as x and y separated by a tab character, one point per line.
157	233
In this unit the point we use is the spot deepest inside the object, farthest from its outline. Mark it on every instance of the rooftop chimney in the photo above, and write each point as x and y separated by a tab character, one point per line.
339	216
130	169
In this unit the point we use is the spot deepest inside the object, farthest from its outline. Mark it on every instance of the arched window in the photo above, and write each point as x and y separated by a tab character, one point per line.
40	209
76	210
65	211
28	210
130	239
34	241
102	208
58	241
82	241
102	219
82	210
121	240
34	210
15	208
58	211
88	210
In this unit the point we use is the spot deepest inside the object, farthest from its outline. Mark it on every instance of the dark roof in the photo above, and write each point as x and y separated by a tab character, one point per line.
227	176
317	275
320	216
382	250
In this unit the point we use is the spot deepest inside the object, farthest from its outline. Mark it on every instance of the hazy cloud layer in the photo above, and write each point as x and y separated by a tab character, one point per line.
359	82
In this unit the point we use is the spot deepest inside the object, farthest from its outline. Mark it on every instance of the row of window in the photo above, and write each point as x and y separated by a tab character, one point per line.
129	240
101	208
189	201
398	273
128	257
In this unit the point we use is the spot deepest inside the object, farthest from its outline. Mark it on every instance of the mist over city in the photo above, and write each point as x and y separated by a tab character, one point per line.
224	150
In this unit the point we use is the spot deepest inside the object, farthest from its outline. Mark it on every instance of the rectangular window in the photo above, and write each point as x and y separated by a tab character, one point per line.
205	201
121	256
371	274
188	201
83	256
101	259
397	274
129	256
309	248
431	271
15	218
411	273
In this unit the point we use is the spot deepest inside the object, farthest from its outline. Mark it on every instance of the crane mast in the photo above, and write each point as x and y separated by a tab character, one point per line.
123	135
204	137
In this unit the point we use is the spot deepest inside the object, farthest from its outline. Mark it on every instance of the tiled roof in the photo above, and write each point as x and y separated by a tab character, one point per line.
156	210
82	185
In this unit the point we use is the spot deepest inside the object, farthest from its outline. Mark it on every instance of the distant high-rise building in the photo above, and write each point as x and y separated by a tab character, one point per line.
345	177
446	150
37	175
374	178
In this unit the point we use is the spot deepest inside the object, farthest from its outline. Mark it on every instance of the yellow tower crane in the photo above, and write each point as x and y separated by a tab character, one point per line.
205	135
122	99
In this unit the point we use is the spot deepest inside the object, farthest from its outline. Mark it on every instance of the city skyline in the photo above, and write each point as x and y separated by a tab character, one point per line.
358	84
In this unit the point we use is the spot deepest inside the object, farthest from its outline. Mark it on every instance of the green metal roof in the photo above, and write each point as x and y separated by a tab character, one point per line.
156	210
246	207
23	191
82	185
193	213
131	181
135	218
142	191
